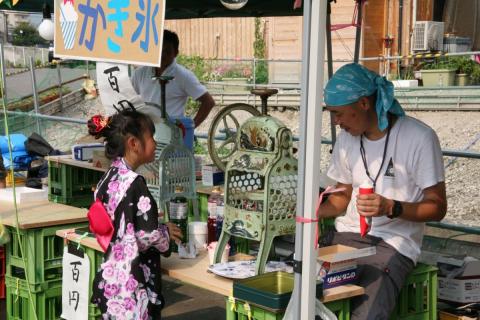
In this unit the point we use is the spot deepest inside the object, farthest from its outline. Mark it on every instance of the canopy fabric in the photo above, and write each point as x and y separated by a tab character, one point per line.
189	9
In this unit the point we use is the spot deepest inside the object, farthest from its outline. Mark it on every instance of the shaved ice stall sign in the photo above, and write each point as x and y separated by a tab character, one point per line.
125	31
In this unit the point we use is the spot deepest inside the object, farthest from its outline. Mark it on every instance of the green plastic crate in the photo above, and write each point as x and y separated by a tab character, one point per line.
418	297
71	185
47	304
14	282
240	310
43	253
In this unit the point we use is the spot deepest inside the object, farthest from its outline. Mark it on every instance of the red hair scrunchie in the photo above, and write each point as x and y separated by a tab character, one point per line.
100	122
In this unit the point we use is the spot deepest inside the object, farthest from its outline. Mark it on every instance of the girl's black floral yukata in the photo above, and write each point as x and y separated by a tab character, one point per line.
128	282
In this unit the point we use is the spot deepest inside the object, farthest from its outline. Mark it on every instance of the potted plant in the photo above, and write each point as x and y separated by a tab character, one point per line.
438	73
465	67
475	76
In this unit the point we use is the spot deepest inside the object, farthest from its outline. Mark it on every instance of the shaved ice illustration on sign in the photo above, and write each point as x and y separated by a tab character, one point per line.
68	23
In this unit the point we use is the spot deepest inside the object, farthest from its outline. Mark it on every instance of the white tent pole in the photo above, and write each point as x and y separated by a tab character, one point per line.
297	290
312	149
309	157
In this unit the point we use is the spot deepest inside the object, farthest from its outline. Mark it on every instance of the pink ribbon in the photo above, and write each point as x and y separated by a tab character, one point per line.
328	190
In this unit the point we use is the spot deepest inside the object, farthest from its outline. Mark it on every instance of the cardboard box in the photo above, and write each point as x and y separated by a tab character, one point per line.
467	312
99	160
212	176
464	288
84	152
337	264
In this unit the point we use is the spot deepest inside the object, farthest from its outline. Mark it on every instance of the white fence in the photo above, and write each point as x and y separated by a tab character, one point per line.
16	56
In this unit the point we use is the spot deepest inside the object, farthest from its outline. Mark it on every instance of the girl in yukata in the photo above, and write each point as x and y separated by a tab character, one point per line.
128	282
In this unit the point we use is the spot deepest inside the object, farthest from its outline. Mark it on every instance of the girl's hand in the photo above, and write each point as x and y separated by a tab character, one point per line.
175	232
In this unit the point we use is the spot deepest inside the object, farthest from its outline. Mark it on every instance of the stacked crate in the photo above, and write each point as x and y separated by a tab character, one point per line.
43	252
71	185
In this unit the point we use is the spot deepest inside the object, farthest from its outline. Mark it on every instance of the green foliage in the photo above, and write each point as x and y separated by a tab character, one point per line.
475	76
463	64
24	34
199	148
196	64
259	52
191	107
438	63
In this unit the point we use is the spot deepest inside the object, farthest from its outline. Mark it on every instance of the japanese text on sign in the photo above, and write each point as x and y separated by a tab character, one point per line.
127	31
116	90
75	280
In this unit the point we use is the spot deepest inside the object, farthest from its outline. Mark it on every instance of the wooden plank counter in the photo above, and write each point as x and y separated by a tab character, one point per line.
40	214
194	272
67	159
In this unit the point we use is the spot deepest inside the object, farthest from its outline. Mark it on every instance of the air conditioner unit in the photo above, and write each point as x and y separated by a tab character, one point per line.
427	36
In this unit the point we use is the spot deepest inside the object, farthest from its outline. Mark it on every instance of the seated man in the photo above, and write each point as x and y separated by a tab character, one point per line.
399	156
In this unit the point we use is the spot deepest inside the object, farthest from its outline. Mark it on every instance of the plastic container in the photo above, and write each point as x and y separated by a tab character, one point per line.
212	214
197	233
23	194
189	131
178	214
220	216
271	290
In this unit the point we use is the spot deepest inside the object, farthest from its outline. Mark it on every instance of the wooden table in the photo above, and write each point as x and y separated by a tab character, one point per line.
67	159
194	272
40	214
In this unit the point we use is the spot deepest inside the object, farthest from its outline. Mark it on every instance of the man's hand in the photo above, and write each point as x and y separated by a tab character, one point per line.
432	207
373	205
206	104
175	232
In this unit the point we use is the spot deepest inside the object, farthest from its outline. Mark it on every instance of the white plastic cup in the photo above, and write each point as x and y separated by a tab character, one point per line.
211	252
197	233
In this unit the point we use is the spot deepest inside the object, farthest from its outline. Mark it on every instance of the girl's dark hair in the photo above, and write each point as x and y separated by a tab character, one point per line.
117	128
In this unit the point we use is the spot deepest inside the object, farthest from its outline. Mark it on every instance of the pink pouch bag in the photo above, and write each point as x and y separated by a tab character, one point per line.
100	224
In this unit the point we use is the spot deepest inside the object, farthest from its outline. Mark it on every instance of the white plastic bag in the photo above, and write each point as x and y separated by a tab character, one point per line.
320	310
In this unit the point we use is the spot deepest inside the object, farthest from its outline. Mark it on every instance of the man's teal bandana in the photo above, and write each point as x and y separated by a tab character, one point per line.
353	81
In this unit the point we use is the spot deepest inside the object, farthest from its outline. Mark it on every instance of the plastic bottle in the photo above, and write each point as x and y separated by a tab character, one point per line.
212	214
178	214
220	207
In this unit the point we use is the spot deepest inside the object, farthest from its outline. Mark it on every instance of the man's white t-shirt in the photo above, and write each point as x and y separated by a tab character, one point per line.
185	84
413	162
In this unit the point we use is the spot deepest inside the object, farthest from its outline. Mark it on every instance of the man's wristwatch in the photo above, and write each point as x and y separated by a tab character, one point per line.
397	210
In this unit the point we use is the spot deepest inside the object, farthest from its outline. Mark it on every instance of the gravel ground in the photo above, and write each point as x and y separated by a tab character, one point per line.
456	130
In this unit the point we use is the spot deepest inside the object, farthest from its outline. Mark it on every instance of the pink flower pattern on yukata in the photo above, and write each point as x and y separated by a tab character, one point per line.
143	206
127	297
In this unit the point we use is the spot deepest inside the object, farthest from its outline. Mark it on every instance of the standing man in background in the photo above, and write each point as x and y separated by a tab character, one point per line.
184	84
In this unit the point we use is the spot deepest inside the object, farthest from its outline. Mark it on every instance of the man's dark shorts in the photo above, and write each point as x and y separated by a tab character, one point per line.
382	275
